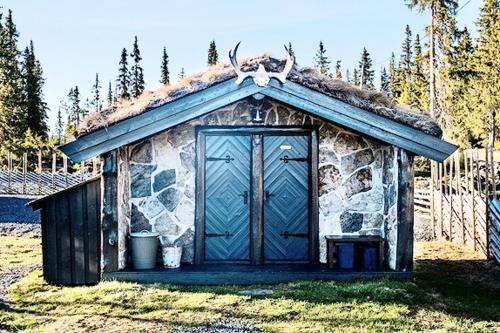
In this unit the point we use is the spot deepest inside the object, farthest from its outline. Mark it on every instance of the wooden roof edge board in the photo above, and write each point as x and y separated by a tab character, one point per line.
363	115
107	141
156	114
36	204
357	125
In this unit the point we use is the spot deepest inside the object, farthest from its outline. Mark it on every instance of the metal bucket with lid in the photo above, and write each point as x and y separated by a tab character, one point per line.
144	249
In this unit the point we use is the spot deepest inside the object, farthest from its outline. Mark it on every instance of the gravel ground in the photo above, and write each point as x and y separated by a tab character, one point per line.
422	229
19	229
15	273
220	327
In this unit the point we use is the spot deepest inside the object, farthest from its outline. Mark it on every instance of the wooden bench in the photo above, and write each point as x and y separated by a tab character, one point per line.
332	251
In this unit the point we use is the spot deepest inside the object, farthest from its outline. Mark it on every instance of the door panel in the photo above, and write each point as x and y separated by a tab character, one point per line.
227	203
286	206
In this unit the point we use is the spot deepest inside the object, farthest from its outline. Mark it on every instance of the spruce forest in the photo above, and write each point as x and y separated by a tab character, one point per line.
442	71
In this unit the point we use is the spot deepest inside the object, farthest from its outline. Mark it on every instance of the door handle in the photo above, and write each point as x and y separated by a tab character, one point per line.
245	197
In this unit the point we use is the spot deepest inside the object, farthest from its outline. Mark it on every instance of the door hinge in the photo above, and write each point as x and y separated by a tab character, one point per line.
227	234
227	159
287	234
285	159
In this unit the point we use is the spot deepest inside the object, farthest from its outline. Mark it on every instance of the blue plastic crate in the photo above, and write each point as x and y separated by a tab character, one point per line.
369	259
346	255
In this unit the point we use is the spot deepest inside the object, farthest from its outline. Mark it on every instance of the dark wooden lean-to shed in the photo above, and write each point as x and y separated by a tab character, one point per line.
259	179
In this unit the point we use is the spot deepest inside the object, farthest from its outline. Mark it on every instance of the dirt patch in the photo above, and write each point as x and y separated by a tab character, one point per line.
220	327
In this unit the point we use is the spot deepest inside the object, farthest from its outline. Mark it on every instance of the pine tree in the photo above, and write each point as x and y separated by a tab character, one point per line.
36	108
110	95
136	71
13	117
60	123
405	69
420	97
394	84
385	86
441	29
123	80
321	60
75	110
355	80
182	74
213	56
347	75
165	73
338	71
486	64
365	69
96	102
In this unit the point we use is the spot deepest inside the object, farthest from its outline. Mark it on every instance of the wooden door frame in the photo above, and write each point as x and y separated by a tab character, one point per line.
256	186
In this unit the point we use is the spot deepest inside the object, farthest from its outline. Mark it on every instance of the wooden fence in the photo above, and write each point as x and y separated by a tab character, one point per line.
19	177
461	200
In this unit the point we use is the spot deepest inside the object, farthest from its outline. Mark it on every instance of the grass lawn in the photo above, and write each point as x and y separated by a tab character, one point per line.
452	291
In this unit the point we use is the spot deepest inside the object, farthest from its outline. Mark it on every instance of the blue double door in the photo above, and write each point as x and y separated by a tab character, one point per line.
257	198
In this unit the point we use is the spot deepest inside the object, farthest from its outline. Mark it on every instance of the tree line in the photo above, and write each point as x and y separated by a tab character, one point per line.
441	71
452	77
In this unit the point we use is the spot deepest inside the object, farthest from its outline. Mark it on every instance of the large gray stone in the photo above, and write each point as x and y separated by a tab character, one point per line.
351	222
140	180
347	143
373	221
187	160
390	197
283	115
186	240
328	133
329	178
371	201
296	118
360	181
330	204
327	155
356	160
243	113
170	198
211	119
138	221
166	226
181	135
164	179
142	152
225	116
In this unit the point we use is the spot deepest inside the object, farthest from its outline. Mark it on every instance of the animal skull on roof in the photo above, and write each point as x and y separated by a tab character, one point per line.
261	77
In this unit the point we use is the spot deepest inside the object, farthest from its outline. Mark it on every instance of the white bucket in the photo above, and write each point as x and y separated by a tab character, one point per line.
172	256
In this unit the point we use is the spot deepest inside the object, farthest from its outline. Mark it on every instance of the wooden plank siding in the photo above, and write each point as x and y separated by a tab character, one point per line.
202	102
70	233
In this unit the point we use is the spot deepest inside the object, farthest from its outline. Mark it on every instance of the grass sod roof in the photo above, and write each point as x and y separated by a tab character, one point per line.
366	99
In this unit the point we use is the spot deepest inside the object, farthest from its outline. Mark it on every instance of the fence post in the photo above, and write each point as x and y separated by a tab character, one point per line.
9	171
54	171
487	203
39	172
459	190
432	188
450	191
474	232
441	203
25	170
65	169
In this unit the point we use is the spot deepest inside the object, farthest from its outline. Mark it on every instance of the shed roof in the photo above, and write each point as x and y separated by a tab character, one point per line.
361	110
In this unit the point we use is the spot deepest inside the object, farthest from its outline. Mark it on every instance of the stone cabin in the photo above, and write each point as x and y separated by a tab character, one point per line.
258	173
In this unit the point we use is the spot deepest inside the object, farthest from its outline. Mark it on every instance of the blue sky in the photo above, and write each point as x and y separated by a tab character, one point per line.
74	40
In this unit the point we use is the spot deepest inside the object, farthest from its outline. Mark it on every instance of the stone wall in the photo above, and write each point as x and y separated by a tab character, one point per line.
357	178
